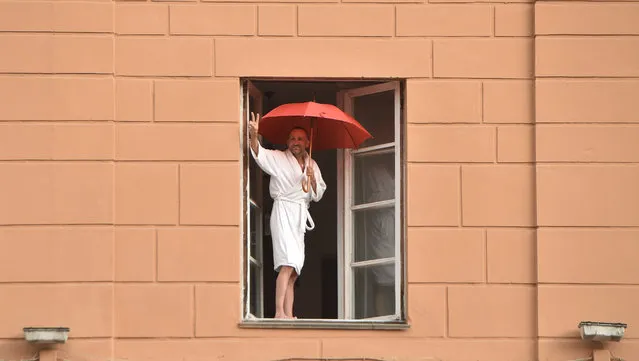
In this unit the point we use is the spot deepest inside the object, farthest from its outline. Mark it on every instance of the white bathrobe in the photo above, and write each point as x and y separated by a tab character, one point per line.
290	218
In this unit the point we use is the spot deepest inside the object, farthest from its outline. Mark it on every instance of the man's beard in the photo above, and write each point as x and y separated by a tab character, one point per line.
297	150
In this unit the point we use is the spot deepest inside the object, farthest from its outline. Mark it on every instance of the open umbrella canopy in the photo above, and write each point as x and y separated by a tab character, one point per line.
331	127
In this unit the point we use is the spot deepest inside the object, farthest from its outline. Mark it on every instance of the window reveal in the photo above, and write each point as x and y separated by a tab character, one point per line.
368	189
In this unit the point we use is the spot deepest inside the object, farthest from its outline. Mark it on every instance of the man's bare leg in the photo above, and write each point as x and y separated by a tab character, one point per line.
281	288
290	296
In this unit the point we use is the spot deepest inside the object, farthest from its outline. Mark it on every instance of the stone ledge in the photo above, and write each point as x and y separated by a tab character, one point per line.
325	324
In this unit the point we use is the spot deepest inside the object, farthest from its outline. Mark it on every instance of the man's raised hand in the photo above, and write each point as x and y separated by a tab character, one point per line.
254	125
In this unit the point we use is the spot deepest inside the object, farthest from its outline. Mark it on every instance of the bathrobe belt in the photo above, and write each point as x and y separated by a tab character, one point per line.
305	215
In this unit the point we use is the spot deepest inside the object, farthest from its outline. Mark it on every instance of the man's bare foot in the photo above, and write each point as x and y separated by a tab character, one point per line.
280	315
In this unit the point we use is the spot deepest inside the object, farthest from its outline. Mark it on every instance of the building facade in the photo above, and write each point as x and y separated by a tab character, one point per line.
127	211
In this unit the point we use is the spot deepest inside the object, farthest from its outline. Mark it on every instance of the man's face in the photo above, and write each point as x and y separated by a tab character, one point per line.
297	142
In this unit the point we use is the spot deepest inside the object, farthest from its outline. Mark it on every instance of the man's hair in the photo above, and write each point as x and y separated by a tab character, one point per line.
300	128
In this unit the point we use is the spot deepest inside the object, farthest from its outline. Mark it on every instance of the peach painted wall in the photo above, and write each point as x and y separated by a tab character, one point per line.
119	145
587	172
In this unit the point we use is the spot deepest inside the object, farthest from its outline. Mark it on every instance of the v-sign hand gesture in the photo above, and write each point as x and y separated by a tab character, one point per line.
254	125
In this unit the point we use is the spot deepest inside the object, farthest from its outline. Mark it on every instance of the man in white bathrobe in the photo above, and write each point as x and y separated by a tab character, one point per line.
290	218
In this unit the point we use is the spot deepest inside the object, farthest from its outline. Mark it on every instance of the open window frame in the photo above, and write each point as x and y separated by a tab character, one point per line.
345	320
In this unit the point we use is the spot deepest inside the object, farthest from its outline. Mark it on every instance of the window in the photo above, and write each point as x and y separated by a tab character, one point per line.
354	269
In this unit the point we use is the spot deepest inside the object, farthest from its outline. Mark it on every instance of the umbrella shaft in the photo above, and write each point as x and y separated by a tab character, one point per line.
310	152
307	184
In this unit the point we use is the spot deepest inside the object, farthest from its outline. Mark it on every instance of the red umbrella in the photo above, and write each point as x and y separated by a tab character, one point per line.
328	126
332	127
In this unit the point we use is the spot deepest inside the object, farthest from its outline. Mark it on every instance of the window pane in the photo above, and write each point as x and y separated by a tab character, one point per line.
375	291
374	233
376	112
254	215
255	291
374	178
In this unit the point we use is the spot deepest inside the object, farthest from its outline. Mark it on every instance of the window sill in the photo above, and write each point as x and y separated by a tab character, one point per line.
267	323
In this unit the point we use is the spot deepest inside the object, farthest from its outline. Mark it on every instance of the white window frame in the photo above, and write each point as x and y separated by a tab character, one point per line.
345	224
257	260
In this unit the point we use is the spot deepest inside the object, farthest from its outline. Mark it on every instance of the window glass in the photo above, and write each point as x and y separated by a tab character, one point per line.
374	177
376	113
374	291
